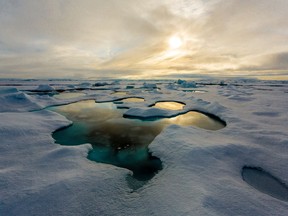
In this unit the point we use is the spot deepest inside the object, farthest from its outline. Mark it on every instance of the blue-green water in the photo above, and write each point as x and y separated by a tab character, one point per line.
120	141
115	140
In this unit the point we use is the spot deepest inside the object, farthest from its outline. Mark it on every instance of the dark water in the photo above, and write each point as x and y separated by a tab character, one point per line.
265	182
120	141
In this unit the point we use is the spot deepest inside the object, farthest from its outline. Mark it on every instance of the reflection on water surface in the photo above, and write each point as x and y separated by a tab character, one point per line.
120	93
133	100
170	105
120	141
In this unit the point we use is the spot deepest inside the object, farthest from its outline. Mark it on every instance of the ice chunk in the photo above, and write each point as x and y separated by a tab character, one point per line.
45	88
149	85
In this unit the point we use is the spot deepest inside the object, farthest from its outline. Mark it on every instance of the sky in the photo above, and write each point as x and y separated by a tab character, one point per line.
135	39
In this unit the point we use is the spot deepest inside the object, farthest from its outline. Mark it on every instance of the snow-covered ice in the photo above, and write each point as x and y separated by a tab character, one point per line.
44	88
202	169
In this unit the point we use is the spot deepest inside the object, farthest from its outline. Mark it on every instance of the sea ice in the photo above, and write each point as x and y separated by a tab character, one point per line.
202	169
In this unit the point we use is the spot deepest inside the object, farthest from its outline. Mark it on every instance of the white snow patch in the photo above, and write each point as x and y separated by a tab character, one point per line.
12	100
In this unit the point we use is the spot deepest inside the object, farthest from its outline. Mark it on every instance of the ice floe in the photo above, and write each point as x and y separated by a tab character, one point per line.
202	169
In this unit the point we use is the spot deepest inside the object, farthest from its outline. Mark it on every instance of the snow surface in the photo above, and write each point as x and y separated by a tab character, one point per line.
201	169
45	88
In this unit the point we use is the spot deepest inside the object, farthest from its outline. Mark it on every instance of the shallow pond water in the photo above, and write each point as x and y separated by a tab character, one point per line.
194	118
170	105
133	100
265	182
120	141
120	93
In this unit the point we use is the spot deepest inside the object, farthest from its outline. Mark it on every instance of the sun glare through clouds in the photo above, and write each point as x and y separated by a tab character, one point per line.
175	42
131	37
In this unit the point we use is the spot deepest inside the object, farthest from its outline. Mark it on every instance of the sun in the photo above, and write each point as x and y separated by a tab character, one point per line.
175	42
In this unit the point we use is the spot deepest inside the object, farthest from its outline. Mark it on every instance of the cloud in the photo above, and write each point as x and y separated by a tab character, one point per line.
268	62
277	61
129	38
